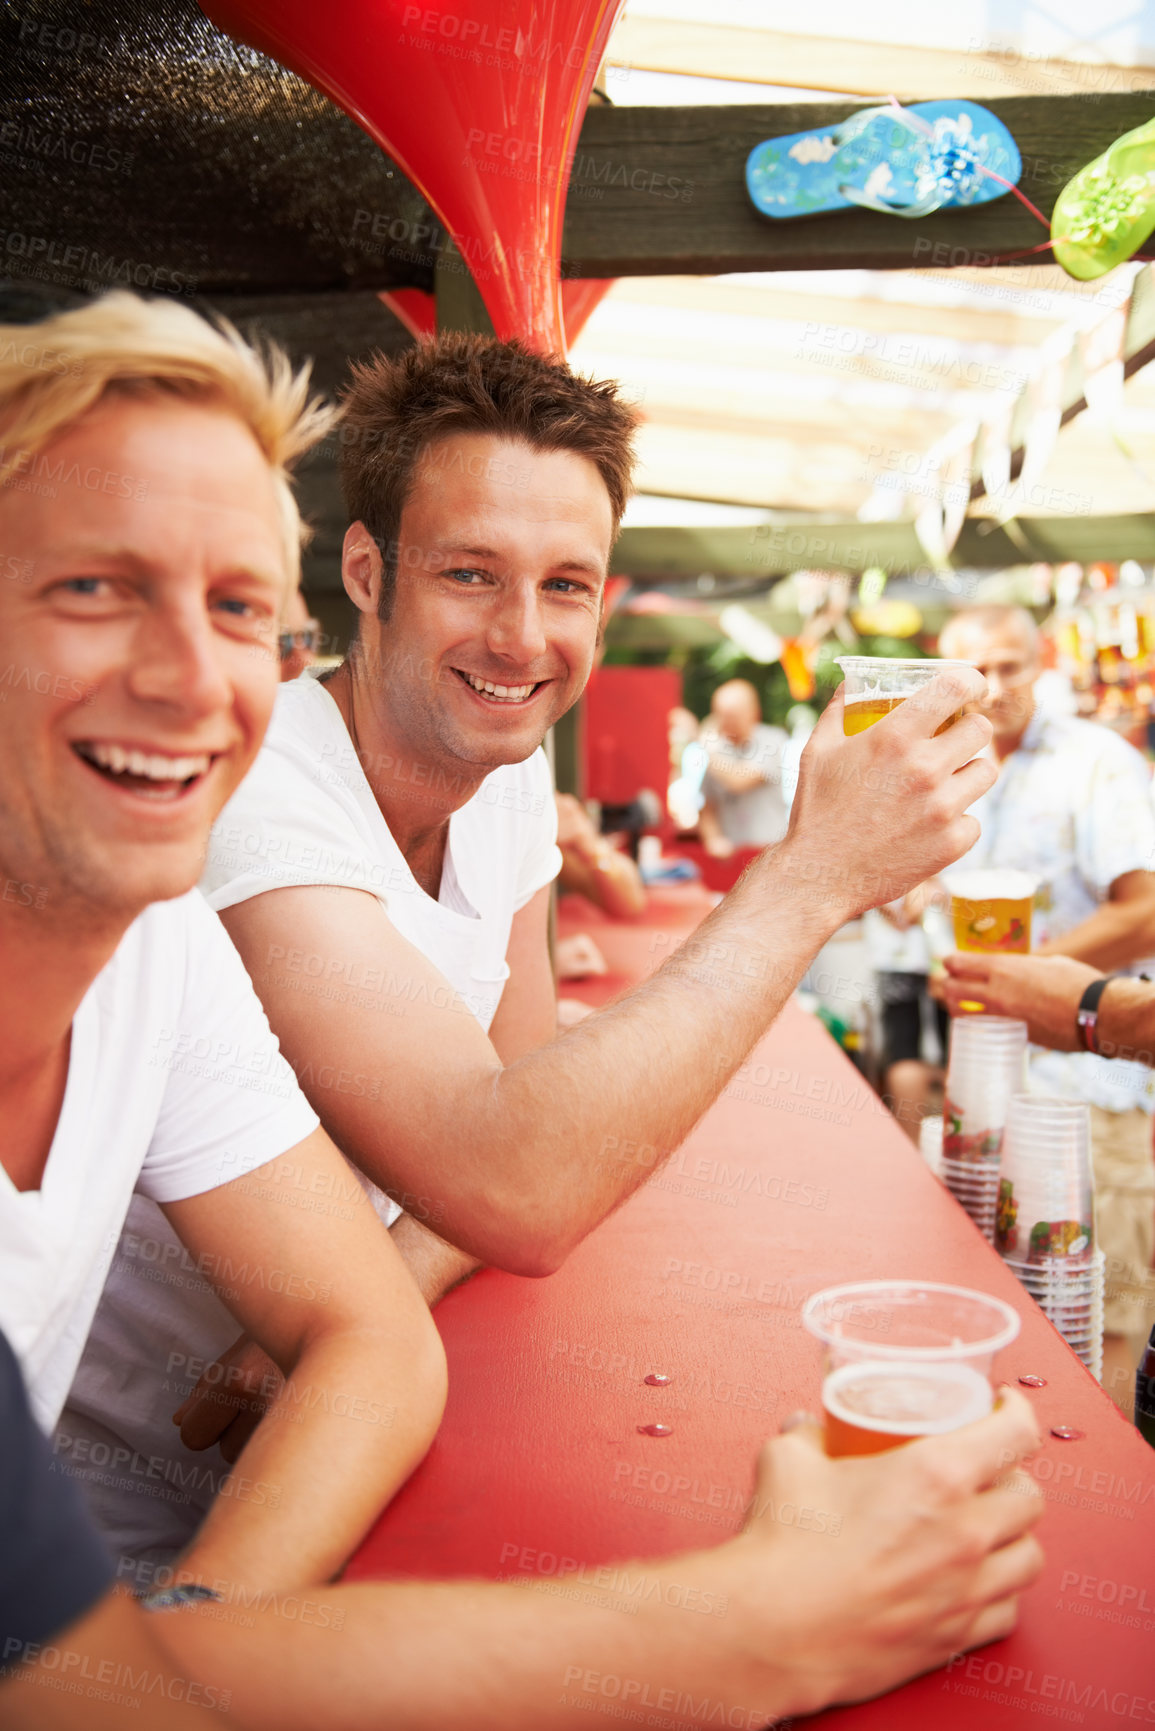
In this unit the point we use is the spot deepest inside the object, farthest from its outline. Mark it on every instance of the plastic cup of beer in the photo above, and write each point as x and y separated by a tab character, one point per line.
876	684
991	910
905	1359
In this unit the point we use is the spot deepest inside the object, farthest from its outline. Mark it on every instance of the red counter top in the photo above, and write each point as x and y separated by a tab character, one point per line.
795	1180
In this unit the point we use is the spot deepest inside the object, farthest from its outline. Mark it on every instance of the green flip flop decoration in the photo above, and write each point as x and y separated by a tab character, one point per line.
1107	211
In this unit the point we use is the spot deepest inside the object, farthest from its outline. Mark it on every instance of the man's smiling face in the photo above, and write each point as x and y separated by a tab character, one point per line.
139	664
502	559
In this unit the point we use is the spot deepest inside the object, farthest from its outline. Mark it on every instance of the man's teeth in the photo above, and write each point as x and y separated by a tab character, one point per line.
507	693
149	765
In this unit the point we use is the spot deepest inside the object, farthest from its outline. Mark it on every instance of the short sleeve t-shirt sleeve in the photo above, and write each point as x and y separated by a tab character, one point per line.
231	1102
175	1087
1115	829
53	1567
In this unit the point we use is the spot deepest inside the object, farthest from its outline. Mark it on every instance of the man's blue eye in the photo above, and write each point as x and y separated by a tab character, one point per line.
232	604
84	585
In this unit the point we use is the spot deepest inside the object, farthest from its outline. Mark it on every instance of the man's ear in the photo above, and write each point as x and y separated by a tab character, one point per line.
361	568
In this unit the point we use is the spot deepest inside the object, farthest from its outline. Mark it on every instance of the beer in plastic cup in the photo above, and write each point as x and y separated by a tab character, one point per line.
870	1407
905	1359
991	910
876	684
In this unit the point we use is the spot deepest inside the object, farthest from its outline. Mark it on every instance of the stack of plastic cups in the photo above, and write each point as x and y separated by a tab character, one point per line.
987	1067
1045	1228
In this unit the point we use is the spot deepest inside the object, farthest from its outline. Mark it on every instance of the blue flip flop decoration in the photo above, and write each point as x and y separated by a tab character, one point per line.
901	161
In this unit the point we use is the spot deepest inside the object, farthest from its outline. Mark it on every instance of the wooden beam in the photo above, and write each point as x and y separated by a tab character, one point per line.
661	192
801	543
280	193
1138	350
1002	321
857	68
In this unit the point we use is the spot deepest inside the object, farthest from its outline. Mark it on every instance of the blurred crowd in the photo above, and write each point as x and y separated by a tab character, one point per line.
1073	807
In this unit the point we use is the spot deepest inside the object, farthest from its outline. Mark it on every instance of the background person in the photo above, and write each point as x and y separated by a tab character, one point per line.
689	762
900	960
1072	805
744	802
593	867
299	639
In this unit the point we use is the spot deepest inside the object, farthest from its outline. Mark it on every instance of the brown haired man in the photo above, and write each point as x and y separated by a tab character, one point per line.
384	870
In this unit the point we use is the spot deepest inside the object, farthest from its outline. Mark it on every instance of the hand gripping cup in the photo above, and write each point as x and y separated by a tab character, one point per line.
991	910
877	684
905	1359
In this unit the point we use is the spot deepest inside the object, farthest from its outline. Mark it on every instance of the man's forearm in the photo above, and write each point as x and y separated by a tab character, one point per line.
436	1267
353	1419
558	1138
736	777
1114	936
420	1656
522	1159
1126	1027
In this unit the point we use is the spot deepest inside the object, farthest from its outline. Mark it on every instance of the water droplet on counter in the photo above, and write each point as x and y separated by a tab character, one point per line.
1066	1433
655	1430
1033	1381
656	1379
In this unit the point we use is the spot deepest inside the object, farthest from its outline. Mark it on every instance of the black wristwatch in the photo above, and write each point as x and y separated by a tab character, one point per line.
1087	1016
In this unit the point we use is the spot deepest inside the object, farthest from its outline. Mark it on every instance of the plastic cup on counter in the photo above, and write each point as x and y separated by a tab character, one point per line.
1046	1208
987	1067
904	1359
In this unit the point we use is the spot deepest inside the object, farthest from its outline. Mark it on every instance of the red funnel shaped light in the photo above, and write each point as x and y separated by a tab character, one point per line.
417	310
481	106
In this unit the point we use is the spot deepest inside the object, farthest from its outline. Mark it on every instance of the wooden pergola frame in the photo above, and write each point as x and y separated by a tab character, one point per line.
698	153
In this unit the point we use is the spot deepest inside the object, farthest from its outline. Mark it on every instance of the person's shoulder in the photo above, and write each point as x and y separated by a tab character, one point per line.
154	953
305	722
1093	742
306	761
181	920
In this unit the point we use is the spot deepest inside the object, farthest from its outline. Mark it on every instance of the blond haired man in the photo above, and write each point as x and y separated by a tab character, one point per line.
145	500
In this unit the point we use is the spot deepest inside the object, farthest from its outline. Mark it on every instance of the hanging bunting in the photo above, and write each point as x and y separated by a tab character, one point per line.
939	523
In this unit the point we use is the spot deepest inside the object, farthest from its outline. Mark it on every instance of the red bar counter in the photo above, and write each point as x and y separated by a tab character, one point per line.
795	1180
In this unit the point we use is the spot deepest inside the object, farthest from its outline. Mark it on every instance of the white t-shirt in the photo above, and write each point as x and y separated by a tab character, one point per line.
305	814
758	817
175	1086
